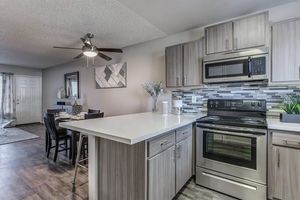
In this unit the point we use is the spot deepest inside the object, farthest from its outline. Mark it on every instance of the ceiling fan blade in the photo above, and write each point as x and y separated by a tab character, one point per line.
67	48
110	50
79	56
105	57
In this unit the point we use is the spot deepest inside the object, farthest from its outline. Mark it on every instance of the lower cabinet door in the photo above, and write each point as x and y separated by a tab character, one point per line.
285	171
184	160
161	175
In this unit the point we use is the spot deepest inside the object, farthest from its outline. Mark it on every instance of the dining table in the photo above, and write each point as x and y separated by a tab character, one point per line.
66	117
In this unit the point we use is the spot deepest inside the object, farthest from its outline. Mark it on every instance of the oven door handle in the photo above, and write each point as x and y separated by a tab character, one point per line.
225	128
232	133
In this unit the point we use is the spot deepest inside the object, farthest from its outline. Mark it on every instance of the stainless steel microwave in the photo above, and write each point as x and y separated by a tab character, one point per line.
245	68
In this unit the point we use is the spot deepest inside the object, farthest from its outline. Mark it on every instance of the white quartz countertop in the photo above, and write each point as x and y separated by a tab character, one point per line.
276	124
132	128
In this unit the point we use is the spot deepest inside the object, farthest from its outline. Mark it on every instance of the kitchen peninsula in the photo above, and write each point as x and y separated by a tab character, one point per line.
138	156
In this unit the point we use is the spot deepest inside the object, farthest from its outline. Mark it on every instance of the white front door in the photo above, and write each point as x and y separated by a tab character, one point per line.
28	99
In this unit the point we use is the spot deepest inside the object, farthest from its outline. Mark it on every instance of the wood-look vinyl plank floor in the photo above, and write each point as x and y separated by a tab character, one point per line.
26	174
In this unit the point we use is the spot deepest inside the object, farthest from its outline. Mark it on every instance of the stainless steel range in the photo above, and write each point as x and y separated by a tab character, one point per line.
231	144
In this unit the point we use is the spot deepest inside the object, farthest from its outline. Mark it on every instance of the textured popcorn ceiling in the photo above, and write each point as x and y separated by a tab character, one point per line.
29	28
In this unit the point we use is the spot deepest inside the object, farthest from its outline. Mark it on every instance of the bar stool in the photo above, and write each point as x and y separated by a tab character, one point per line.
83	147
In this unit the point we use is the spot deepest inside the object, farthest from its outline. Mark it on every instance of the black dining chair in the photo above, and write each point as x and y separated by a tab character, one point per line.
55	112
83	146
56	135
93	111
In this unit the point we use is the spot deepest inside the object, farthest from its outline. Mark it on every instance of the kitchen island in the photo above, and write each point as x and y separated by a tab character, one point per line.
134	156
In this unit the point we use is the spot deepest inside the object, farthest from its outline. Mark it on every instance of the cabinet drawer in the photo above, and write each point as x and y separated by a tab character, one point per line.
286	139
184	132
161	143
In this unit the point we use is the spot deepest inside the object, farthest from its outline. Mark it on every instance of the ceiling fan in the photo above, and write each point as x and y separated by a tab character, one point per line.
91	50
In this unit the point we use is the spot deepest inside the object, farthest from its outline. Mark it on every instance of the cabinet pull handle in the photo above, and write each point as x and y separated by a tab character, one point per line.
235	43
278	159
178	152
165	143
291	143
174	155
177	81
227	44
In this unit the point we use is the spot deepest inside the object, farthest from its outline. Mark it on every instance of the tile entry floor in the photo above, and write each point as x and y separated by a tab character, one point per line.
25	173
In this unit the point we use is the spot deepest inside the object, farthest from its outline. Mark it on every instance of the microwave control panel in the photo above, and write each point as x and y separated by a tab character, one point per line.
258	65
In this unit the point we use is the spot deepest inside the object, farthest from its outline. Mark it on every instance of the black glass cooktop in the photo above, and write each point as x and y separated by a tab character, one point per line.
255	122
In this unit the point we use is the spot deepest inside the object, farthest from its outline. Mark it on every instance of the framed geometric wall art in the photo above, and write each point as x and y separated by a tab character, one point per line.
111	76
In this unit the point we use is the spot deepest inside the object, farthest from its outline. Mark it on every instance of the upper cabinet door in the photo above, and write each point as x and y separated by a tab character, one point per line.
250	31
219	38
285	51
174	61
192	62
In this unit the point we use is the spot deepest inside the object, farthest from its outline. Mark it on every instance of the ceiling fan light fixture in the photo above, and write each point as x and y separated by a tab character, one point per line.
90	53
90	50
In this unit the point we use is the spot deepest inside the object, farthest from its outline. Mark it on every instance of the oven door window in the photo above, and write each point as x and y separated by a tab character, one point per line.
232	149
227	69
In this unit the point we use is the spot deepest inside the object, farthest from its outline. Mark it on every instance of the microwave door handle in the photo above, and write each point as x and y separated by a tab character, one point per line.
249	67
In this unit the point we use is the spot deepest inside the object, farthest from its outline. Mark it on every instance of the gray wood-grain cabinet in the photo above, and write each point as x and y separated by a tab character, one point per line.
184	162
285	166
219	38
286	51
244	33
250	31
161	176
171	168
192	63
174	65
184	64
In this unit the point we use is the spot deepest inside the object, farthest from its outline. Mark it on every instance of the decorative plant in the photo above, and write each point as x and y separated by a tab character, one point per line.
154	89
292	105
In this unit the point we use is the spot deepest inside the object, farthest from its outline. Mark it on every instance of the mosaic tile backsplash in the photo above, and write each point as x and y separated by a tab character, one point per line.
195	100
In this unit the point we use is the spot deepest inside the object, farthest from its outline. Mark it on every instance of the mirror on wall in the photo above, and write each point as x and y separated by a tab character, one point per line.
72	85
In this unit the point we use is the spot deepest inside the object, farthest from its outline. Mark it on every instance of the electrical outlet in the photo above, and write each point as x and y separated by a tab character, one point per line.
194	99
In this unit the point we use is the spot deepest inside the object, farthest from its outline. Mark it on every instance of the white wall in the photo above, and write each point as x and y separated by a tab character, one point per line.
284	12
145	62
20	70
